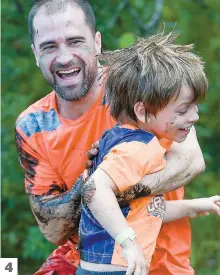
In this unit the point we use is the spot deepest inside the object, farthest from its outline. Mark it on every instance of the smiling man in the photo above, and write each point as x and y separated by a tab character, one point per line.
66	50
54	134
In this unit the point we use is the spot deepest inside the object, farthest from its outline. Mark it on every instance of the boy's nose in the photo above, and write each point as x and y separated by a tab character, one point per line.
194	116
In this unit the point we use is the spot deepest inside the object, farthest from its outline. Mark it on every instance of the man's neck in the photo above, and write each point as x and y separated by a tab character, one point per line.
75	109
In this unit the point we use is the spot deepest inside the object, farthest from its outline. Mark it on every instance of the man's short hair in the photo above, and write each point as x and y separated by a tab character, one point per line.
54	6
151	71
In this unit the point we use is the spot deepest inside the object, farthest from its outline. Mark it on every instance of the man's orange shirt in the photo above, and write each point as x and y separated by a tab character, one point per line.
54	154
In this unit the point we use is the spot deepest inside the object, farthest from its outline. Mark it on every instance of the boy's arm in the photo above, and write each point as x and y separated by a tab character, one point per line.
184	162
191	208
118	172
99	195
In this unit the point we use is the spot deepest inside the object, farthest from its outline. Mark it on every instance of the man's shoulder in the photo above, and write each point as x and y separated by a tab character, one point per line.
39	116
42	104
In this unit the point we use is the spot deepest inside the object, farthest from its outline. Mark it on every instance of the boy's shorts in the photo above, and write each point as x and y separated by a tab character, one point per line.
81	271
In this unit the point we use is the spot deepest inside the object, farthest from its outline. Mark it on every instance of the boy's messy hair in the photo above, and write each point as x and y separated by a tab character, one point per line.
152	71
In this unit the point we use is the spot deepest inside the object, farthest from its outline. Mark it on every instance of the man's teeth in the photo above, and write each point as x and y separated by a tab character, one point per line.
69	71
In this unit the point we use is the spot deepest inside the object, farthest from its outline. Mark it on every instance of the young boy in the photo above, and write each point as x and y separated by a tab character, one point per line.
152	89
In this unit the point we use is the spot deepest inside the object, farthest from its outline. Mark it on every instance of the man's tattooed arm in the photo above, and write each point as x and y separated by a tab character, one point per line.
58	215
184	162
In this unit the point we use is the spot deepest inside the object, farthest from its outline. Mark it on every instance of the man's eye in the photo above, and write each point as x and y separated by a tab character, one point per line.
74	42
48	47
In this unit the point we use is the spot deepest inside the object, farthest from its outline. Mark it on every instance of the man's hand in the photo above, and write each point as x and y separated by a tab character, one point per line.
91	154
178	209
135	258
203	206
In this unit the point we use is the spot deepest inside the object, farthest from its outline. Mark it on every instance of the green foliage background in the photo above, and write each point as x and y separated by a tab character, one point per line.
198	22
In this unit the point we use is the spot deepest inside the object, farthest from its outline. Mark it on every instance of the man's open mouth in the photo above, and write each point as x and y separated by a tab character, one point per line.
65	74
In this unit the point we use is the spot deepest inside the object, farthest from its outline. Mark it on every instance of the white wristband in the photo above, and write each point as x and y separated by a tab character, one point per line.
128	233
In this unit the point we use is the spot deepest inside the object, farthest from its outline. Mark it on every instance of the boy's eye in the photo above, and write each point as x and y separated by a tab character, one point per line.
183	112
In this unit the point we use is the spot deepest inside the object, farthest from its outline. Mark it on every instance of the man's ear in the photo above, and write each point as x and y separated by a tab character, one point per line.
35	54
98	42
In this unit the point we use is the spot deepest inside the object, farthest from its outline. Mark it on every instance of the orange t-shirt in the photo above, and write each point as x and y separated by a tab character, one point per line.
54	148
53	153
172	252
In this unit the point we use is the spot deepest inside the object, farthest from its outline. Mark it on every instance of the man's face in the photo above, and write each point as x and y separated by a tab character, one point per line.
175	120
65	50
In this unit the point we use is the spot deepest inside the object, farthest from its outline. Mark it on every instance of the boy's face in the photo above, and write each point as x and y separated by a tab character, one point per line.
175	120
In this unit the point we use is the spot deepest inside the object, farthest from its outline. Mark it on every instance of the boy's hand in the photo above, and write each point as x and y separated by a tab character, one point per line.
91	154
205	205
135	258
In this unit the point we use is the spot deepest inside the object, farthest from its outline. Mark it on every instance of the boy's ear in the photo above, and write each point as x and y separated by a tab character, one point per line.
35	54
140	112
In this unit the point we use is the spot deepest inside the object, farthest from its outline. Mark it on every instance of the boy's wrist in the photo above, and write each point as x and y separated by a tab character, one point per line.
127	243
127	234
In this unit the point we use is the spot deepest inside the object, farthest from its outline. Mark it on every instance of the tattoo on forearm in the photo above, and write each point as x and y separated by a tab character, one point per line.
137	191
59	215
65	207
88	191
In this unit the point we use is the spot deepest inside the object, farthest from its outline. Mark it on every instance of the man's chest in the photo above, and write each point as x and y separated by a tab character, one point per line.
66	147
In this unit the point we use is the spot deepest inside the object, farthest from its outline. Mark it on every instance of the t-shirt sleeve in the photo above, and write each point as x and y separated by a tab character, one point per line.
40	178
127	163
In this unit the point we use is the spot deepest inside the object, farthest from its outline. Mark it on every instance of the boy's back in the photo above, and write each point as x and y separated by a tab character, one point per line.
126	154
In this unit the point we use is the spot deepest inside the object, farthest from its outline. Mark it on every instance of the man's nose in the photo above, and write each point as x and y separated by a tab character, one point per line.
64	56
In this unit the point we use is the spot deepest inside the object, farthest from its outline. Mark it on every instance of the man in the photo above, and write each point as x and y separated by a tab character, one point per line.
54	134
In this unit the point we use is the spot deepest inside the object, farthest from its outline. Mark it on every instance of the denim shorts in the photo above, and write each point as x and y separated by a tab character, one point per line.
81	271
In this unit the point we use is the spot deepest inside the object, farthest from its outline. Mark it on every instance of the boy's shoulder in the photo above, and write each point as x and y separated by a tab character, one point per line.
117	135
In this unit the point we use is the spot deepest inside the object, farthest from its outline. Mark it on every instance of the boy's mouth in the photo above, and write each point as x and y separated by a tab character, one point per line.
185	129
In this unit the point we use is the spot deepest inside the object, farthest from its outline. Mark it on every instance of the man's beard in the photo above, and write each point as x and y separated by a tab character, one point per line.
68	93
74	92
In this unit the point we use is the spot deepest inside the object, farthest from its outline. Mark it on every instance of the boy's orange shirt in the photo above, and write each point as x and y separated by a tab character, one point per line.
54	155
117	149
